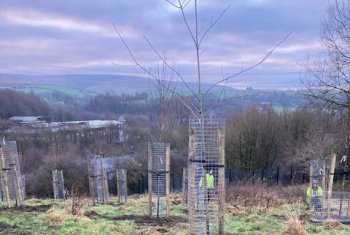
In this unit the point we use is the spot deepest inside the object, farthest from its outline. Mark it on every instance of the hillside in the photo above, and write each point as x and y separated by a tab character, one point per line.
74	84
89	85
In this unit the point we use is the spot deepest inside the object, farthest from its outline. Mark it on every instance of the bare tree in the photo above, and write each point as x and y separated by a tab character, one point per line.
327	80
196	105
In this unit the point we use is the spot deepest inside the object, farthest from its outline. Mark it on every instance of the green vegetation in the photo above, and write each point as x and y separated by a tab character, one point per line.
50	217
44	89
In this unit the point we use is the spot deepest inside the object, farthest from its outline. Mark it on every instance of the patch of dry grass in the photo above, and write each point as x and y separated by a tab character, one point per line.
263	197
332	224
55	215
293	226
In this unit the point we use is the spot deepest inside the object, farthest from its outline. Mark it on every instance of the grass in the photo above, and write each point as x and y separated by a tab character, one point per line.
43	89
282	215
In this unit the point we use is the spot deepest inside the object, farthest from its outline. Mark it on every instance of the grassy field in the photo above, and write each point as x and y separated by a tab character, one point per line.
40	89
244	215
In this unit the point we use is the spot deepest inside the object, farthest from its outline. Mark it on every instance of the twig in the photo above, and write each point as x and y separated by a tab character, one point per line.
212	24
170	67
249	68
189	105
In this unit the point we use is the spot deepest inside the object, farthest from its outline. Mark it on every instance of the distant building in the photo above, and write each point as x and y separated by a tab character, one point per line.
28	119
264	106
87	130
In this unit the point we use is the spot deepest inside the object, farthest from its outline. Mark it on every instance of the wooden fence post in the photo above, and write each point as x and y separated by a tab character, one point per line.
167	178
16	177
331	175
184	188
150	190
4	177
221	182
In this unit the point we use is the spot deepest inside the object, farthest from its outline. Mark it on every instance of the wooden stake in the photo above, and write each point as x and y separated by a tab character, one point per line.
105	182
6	186
89	178
122	185
221	180
331	175
119	186
4	177
167	178
1	190
184	189
125	185
101	182
150	180
330	182
323	175
191	183
54	184
62	185
16	177
92	182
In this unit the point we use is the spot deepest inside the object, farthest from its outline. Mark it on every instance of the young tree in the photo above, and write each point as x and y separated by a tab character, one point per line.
197	36
196	104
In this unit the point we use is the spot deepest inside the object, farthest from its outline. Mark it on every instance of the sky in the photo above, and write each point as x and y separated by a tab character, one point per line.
42	37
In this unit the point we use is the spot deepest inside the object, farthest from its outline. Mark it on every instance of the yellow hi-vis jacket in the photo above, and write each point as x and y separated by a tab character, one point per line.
319	193
210	181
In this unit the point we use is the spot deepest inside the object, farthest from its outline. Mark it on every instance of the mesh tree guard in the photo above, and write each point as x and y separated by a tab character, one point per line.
206	194
122	185
98	182
333	205
12	182
318	172
58	184
158	179
23	187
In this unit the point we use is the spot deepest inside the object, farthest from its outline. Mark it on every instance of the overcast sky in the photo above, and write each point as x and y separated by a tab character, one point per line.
77	36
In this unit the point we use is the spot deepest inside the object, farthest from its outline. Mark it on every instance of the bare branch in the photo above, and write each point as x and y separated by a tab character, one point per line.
188	103
171	3
182	4
221	93
186	23
213	23
249	68
170	67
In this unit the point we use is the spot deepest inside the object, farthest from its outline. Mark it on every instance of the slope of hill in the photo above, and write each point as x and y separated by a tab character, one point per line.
88	85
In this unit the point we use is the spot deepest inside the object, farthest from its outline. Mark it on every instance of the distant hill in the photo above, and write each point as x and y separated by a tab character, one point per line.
75	84
83	84
89	84
56	88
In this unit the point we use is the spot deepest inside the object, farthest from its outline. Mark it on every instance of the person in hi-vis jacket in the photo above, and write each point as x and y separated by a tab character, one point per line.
314	196
210	183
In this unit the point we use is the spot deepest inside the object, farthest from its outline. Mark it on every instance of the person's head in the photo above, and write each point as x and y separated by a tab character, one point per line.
314	184
211	172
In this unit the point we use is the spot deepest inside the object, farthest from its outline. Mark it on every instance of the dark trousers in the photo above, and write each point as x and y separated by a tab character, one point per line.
210	193
316	203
